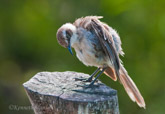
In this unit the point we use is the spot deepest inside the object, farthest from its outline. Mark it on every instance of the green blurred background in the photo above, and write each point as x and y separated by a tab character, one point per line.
28	45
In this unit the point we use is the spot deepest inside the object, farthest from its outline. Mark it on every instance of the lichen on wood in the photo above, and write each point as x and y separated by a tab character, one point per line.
59	93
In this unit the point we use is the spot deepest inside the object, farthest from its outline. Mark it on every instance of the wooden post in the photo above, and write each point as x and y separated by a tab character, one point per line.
58	93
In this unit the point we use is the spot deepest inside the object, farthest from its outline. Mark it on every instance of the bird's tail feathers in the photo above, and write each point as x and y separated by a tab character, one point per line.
131	88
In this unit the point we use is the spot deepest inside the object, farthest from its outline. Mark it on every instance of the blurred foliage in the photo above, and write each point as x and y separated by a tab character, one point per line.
28	45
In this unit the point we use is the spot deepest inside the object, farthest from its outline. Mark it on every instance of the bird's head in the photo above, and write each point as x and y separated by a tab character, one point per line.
64	35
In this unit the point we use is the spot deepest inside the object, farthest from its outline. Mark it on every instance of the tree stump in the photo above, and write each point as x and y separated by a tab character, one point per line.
59	93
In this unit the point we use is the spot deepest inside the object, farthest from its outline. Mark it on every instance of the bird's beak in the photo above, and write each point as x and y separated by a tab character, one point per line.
70	49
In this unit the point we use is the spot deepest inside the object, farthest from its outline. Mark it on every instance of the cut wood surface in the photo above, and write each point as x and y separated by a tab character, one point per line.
59	93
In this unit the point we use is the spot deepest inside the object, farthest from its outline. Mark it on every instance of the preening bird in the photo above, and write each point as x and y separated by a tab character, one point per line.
97	44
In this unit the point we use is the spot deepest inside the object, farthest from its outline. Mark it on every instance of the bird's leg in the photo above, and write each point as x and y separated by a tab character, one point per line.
91	84
90	78
93	74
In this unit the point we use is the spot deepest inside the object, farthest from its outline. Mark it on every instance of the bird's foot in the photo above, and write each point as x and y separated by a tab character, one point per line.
83	79
91	85
84	86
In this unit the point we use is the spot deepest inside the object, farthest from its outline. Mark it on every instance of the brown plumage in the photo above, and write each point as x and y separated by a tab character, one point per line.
110	72
97	44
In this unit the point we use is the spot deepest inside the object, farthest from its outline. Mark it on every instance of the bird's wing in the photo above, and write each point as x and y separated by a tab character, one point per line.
107	43
108	46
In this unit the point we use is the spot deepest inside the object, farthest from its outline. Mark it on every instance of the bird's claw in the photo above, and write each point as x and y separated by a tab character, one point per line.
87	86
83	79
83	86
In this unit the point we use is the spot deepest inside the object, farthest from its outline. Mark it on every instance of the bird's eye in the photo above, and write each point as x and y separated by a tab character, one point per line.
68	34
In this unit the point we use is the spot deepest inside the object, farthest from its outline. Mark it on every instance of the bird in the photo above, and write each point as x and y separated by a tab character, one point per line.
99	45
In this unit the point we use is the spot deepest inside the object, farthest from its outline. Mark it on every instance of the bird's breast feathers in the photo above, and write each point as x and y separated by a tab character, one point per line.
88	49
